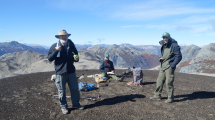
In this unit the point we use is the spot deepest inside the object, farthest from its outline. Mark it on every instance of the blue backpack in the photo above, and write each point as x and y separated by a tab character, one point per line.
83	86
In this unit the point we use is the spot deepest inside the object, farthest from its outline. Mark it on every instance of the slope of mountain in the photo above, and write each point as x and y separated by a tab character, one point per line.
13	46
33	45
31	62
97	50
154	49
183	46
123	56
202	60
82	47
189	52
11	62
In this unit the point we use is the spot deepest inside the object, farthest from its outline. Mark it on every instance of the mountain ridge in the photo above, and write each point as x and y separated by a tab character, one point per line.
202	61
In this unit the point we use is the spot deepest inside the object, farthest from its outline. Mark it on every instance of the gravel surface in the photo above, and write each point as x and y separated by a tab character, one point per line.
27	97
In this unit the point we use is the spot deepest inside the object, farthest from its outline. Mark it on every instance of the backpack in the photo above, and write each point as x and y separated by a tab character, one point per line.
137	76
83	86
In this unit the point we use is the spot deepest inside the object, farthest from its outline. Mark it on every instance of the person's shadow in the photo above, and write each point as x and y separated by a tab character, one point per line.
195	95
114	100
148	83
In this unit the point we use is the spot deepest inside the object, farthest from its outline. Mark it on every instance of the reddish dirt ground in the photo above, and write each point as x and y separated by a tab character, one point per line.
26	97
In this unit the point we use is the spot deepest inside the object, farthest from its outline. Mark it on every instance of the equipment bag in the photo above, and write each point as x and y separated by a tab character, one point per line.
83	86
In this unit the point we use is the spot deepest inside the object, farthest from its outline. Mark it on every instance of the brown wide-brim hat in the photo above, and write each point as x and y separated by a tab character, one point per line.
62	32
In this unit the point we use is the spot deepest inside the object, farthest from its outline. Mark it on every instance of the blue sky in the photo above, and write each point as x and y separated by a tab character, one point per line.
138	22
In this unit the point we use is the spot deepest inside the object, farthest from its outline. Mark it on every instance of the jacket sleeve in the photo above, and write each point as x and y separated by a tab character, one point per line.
52	54
177	56
74	50
101	68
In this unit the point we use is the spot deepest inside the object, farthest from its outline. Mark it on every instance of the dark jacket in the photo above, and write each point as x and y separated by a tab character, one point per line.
64	63
176	55
106	66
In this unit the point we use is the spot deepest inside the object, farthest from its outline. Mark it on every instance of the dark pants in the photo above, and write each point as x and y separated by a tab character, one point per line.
60	82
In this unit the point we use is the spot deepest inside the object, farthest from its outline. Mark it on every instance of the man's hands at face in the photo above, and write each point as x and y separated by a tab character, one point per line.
58	48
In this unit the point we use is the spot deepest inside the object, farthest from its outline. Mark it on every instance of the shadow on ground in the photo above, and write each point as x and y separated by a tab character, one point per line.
115	100
148	83
195	95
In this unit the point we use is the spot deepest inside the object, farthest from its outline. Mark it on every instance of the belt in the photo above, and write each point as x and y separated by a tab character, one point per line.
64	73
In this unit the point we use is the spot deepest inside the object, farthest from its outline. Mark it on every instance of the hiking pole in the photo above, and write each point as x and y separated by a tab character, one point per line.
91	97
80	97
57	96
88	98
84	97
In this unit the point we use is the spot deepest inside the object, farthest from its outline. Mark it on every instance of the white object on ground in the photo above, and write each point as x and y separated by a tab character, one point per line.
111	73
53	77
81	77
91	76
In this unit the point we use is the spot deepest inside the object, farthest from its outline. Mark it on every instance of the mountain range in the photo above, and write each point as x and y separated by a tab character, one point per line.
124	55
198	60
25	62
16	58
14	46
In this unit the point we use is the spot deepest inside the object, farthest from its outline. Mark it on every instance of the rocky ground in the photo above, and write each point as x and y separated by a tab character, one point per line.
27	97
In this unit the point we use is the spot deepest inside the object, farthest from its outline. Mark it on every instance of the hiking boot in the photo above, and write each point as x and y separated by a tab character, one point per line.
80	107
168	101
120	79
64	110
155	98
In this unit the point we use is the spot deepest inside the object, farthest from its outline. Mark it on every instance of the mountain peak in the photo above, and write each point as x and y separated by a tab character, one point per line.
212	44
114	45
14	42
14	46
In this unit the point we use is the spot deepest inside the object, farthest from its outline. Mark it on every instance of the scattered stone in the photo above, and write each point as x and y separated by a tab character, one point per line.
81	77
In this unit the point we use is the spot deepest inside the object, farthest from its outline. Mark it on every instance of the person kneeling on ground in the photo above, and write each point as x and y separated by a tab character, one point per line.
137	76
65	70
170	57
107	69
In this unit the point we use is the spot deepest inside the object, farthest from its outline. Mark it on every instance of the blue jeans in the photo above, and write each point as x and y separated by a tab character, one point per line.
60	82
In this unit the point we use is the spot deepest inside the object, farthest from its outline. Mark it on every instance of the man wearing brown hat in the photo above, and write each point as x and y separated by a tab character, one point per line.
64	54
